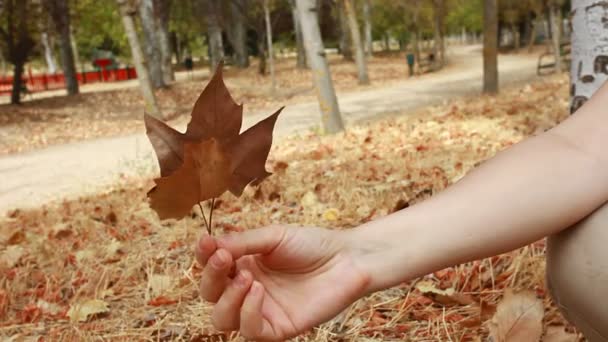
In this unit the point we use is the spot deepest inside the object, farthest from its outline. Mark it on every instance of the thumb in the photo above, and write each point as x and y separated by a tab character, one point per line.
254	241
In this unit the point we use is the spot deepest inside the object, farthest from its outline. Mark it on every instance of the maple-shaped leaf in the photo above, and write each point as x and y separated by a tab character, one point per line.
518	318
214	115
211	156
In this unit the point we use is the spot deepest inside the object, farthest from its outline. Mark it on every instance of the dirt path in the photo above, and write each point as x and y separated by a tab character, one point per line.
65	171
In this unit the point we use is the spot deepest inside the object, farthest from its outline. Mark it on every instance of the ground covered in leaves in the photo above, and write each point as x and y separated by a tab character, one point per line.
50	121
104	266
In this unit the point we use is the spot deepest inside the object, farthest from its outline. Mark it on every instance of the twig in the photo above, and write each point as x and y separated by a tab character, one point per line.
205	219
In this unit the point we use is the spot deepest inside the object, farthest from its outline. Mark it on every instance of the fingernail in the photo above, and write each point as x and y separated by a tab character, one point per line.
217	261
242	279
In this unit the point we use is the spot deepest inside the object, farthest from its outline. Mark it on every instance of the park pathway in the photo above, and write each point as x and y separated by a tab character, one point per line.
66	171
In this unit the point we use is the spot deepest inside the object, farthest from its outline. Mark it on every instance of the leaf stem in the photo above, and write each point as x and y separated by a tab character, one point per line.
205	219
211	214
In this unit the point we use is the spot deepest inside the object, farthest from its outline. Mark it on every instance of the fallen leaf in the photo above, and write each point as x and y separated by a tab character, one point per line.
211	157
49	308
518	318
559	334
161	300
159	283
445	297
11	256
81	312
331	214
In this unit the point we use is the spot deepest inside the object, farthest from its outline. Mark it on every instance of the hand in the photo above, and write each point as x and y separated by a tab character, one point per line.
275	283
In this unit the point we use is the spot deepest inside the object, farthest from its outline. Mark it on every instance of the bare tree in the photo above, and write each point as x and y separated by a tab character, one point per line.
589	69
238	33
367	19
162	10
301	52
17	32
490	47
439	47
214	32
151	42
355	35
315	51
555	16
269	42
127	14
49	55
345	43
60	13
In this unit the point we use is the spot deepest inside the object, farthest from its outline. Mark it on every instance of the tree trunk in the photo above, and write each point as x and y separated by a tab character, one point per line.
555	36
239	34
355	35
150	104
214	32
589	70
532	36
439	45
367	18
490	47
315	51
60	13
387	42
345	43
49	56
162	10
151	42
17	82
263	57
269	42
74	48
515	33
301	52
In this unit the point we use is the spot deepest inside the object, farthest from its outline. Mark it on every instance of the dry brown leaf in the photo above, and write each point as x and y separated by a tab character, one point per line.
446	297
559	334
210	157
518	318
80	312
11	256
159	283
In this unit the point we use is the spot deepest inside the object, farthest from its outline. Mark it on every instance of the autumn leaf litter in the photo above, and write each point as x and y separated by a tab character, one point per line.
105	267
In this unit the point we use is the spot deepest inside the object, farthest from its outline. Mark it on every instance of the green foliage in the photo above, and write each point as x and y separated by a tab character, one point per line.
467	14
97	26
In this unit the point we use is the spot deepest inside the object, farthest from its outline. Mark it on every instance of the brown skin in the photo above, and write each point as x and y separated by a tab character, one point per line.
296	278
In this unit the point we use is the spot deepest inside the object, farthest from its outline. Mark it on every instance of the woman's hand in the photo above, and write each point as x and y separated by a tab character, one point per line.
275	283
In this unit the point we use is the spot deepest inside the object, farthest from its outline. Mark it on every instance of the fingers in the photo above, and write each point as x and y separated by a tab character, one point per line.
205	247
215	275
253	324
226	315
255	241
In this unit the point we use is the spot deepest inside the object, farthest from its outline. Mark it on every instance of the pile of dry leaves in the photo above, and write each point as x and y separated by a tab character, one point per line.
105	267
60	120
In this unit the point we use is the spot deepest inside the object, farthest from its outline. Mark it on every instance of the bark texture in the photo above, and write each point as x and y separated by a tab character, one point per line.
589	70
315	51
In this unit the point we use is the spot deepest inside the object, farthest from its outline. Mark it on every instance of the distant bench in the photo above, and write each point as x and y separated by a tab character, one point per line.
546	61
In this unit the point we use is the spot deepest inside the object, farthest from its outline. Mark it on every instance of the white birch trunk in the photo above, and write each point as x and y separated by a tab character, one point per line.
589	70
49	56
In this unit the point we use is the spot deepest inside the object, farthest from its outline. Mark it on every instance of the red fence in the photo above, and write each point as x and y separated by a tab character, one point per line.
42	82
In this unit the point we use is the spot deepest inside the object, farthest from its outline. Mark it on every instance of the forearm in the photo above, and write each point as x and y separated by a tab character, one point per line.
532	190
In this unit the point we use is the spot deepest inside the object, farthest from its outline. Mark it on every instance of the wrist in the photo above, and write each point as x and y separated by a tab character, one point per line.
389	250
